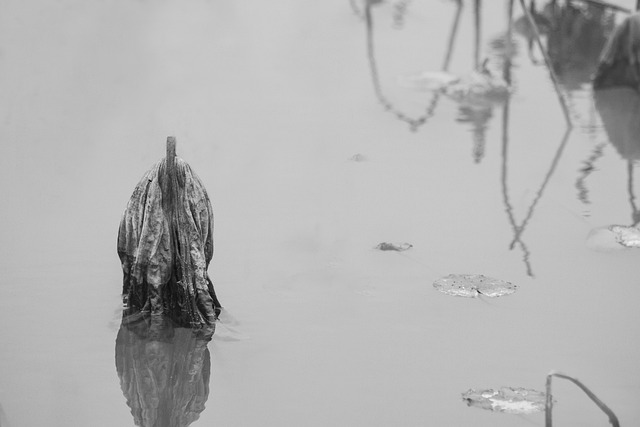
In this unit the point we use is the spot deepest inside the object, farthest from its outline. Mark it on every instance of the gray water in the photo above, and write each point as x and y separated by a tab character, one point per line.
270	102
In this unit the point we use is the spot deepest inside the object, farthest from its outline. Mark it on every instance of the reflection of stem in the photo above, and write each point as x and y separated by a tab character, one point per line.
505	194
547	60
549	401
375	76
635	214
452	36
506	74
552	169
583	191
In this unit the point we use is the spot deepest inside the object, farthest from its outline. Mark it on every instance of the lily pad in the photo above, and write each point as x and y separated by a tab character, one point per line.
626	236
470	285
384	246
507	399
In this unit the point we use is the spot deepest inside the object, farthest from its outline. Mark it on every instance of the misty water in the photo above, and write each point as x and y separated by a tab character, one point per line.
298	118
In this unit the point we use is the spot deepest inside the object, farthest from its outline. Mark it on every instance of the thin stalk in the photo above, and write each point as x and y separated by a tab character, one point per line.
549	401
547	60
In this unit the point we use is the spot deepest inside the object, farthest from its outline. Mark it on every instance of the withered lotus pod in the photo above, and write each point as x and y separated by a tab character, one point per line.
165	245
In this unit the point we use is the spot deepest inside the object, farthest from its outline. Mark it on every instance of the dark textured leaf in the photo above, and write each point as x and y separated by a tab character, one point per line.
165	245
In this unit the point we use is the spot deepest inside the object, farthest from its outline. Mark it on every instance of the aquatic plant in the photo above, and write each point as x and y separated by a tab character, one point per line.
549	402
165	245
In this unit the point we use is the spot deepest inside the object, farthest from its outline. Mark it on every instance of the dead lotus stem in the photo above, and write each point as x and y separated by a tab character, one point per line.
549	401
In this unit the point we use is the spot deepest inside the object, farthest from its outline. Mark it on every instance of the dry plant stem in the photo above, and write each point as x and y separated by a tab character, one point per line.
549	402
554	78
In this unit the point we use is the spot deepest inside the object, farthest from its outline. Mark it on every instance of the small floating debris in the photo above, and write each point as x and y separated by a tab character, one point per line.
507	399
470	285
358	158
384	246
627	236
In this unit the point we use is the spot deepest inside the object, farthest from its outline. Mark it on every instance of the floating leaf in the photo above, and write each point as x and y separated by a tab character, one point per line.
626	236
507	399
470	285
384	246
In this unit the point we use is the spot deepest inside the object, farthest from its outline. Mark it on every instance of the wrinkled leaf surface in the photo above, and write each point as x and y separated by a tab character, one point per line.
470	285
626	236
507	399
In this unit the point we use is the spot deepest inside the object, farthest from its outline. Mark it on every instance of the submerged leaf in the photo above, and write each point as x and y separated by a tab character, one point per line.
470	285
507	399
626	236
384	246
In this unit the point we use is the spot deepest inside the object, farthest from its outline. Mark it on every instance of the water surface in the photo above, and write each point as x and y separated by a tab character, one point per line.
270	102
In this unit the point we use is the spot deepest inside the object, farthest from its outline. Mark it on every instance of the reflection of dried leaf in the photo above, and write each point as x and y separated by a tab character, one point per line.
358	158
508	400
384	246
626	236
470	285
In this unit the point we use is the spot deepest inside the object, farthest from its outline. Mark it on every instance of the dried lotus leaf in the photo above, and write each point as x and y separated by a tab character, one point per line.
470	285
509	400
627	236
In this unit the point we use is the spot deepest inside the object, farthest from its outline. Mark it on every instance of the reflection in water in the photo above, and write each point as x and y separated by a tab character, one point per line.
585	171
525	29
619	110
506	73
414	123
3	418
164	371
474	110
518	229
576	37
